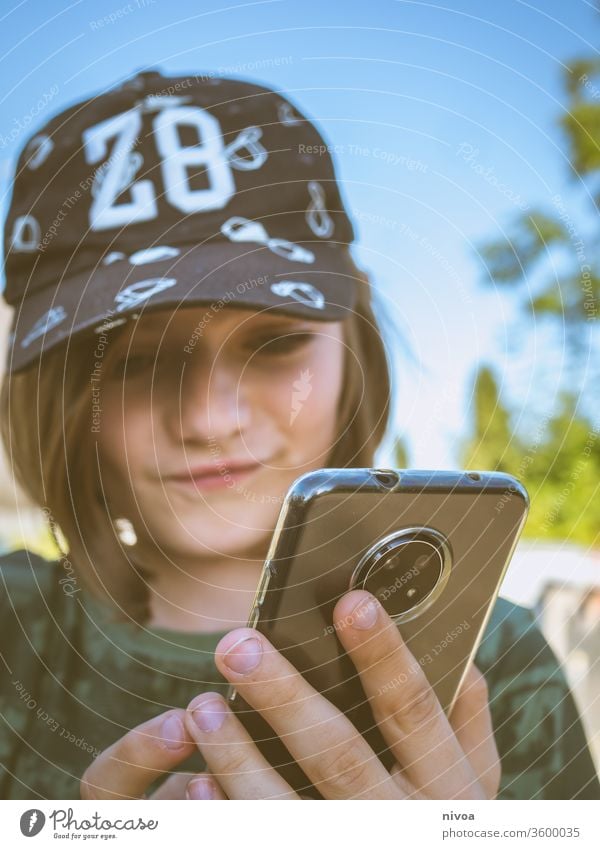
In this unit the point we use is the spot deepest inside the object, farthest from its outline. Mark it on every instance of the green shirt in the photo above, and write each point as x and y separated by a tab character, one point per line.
73	682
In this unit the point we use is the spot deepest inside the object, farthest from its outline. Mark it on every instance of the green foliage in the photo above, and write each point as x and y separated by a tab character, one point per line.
551	260
582	70
582	127
571	297
546	240
581	122
400	454
559	463
493	445
508	260
562	476
40	543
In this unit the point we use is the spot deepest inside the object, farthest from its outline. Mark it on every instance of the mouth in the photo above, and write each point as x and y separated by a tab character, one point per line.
221	475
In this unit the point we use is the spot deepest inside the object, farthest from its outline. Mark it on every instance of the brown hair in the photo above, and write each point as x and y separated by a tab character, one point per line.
46	414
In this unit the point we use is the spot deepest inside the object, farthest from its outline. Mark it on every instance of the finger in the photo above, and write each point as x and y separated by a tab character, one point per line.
189	785
472	723
405	785
174	786
204	786
230	753
129	766
325	744
404	705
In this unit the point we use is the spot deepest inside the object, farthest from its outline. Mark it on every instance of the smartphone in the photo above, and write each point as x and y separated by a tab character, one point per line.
433	546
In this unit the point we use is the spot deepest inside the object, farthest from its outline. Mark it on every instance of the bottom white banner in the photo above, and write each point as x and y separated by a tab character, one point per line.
432	824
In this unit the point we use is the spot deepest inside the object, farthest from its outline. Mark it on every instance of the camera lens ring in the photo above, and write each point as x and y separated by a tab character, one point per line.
373	557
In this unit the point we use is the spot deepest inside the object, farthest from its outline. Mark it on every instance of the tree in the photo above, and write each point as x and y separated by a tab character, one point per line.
552	256
559	464
493	444
551	260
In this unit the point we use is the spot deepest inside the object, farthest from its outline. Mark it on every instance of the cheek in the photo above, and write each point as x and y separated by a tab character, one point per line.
125	435
305	400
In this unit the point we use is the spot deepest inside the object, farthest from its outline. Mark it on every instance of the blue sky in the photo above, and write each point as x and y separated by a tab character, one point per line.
443	116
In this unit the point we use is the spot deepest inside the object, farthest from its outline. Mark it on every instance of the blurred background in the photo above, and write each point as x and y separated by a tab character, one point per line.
467	140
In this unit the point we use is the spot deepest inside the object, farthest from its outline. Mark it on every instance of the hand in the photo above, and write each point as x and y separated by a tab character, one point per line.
127	768
436	758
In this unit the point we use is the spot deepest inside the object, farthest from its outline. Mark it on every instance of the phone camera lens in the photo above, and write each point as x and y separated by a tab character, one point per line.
411	571
404	570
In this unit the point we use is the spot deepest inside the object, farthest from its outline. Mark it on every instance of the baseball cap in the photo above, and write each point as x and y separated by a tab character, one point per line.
172	191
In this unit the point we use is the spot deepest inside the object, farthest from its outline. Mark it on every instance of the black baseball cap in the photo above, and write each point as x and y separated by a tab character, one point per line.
172	191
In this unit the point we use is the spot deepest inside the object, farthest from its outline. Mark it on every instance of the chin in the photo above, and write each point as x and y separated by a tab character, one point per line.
191	539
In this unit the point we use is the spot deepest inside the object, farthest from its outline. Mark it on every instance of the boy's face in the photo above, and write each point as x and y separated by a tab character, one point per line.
192	388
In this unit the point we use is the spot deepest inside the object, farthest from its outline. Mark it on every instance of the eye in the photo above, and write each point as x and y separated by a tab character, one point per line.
269	346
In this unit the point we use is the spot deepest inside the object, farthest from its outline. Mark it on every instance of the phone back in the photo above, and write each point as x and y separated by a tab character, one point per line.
330	521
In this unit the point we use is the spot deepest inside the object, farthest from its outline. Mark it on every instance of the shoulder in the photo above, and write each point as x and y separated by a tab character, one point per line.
24	576
537	727
517	661
510	638
515	655
30	592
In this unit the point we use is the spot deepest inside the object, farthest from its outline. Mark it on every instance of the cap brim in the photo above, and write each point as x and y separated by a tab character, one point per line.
215	274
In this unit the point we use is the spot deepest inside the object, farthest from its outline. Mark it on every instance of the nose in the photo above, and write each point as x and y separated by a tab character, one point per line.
212	403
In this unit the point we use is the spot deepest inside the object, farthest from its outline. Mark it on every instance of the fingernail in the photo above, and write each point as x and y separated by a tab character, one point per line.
209	715
172	732
243	656
364	615
201	788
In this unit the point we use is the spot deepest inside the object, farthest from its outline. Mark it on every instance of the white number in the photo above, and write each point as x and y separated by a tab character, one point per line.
175	160
103	213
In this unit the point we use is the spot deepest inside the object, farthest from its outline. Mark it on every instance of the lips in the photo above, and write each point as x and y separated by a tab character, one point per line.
216	474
